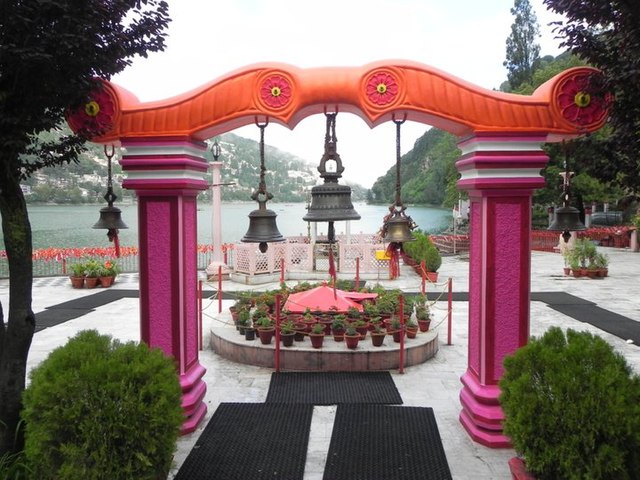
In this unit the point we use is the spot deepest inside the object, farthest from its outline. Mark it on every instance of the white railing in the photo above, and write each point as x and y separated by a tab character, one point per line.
299	255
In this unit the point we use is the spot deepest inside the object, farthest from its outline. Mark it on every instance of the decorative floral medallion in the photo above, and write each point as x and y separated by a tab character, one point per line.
578	100
276	91
382	88
97	115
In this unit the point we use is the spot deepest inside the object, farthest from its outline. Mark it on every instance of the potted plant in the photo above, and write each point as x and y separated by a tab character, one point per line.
317	335
309	319
423	317
92	271
411	328
377	335
353	313
601	261
77	275
361	326
370	310
266	330
351	337
244	321
287	332
107	273
572	408
397	329
325	320
338	327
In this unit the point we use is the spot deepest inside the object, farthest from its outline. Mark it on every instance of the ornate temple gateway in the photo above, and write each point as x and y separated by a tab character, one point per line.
501	136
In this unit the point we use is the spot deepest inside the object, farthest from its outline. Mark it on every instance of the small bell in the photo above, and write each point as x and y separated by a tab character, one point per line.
398	230
397	226
262	221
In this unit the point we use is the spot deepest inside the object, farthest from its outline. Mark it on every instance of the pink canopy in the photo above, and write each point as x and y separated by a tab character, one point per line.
322	298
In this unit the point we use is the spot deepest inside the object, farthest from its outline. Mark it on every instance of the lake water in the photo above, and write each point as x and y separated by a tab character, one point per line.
68	226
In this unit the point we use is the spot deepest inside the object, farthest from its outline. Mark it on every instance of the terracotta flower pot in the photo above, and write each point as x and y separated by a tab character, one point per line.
377	339
423	325
287	339
77	282
106	281
316	339
352	341
412	332
91	282
266	335
397	335
338	334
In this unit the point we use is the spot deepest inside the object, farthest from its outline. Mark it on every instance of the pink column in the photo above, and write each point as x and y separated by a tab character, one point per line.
500	173
167	174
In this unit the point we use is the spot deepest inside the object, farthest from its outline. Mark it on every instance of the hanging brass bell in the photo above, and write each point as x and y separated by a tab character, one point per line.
110	218
330	202
398	230
566	218
262	228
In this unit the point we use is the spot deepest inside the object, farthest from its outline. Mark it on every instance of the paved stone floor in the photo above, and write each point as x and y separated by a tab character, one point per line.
435	383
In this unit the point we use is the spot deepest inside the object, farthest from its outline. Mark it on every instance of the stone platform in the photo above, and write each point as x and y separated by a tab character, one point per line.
333	356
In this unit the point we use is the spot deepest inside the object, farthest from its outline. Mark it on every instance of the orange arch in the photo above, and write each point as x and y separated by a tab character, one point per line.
287	94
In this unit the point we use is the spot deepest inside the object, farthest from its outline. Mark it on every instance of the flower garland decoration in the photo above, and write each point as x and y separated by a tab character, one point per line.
577	104
382	88
96	116
276	91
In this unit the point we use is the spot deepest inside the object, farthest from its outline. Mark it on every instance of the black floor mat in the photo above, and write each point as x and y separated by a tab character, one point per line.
378	442
558	298
332	388
254	441
610	322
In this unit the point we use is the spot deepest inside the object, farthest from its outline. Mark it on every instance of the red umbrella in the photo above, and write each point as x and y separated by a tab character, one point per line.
322	298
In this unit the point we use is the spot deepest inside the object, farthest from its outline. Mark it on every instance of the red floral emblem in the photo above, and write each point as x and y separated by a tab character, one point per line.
96	116
577	104
382	88
276	91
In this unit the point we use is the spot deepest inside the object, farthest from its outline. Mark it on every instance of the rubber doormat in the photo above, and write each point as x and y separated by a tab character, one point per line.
610	322
254	441
332	388
379	442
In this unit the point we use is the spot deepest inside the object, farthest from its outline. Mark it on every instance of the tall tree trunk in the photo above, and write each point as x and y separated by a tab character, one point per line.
16	332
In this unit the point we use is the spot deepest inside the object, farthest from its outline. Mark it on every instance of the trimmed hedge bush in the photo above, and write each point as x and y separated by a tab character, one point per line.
572	408
100	409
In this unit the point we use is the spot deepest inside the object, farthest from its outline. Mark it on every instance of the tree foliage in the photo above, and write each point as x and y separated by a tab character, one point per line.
523	51
50	54
606	34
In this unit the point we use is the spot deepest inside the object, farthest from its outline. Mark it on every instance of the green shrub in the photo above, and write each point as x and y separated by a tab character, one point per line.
572	408
100	409
423	249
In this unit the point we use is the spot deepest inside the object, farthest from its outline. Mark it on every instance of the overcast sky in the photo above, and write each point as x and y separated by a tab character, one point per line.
208	39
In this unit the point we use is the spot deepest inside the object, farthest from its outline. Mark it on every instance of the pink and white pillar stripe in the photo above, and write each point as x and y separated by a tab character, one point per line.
500	173
167	174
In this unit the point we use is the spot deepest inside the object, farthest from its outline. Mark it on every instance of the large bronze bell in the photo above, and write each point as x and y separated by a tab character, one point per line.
566	220
330	202
262	227
110	218
398	230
